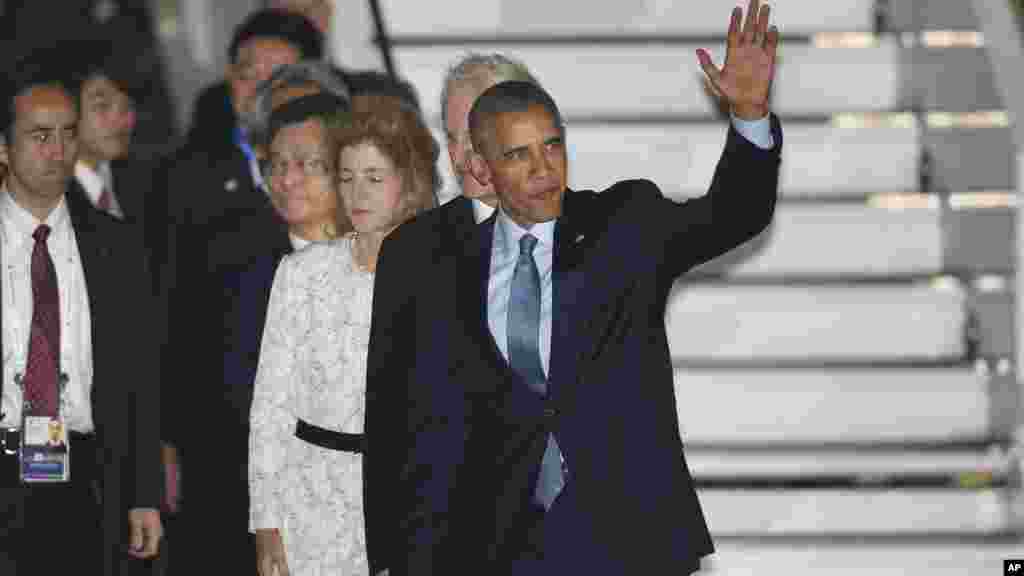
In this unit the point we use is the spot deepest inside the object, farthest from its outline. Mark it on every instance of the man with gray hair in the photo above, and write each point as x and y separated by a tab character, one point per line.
287	83
464	81
445	230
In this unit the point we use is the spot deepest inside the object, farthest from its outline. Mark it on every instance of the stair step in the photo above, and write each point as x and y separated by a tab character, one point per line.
409	20
864	463
815	323
488	18
774	408
739	512
595	80
889	557
840	240
820	160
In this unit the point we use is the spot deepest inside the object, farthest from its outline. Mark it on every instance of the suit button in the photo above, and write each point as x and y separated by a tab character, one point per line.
550	412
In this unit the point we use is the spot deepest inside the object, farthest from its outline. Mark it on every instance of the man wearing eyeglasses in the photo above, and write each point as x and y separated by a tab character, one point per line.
220	216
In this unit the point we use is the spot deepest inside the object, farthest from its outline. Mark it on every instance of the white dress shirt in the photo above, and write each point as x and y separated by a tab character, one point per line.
481	211
298	242
504	255
93	181
16	228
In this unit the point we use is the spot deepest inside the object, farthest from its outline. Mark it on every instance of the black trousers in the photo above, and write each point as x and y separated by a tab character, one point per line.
52	528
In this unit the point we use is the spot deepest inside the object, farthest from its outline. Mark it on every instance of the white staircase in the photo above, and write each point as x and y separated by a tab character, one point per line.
844	381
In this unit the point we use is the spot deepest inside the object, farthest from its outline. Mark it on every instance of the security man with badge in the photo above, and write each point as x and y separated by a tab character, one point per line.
79	448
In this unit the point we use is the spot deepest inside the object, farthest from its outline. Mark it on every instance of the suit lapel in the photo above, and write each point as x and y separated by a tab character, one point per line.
91	247
93	250
473	274
127	189
568	252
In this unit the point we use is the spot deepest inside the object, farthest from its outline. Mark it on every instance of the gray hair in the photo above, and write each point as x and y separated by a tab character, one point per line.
482	70
330	81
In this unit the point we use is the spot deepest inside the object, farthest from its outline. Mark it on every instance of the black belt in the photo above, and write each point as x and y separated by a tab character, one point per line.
329	439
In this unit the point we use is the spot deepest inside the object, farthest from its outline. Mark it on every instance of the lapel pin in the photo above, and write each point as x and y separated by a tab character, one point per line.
231	185
579	239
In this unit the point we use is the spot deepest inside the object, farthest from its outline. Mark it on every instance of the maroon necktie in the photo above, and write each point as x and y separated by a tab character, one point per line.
40	380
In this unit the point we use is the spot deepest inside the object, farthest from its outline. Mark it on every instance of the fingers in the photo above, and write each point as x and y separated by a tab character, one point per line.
732	39
265	565
145	533
136	541
750	24
761	31
713	73
153	532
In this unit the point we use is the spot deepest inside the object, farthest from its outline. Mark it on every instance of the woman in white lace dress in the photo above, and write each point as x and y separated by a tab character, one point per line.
307	413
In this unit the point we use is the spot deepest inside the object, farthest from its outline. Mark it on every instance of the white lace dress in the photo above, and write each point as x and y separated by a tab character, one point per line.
312	366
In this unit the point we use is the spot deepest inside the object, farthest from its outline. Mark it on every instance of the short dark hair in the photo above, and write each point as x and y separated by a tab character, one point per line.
290	27
43	67
516	96
322	106
99	57
374	83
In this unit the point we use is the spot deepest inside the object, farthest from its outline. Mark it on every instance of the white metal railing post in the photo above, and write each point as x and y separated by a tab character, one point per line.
352	35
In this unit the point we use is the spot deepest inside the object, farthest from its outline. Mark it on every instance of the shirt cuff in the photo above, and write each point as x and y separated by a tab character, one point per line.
757	132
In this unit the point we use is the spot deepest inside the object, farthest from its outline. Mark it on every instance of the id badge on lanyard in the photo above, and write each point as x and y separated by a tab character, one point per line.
44	453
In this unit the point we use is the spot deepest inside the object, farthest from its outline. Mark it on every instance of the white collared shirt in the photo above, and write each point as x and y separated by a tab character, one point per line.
93	181
481	211
504	255
16	228
298	242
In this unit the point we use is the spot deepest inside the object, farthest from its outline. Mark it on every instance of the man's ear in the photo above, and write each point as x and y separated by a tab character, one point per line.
4	157
481	171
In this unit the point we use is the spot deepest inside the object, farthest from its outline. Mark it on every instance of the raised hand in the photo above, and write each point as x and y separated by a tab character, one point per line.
745	80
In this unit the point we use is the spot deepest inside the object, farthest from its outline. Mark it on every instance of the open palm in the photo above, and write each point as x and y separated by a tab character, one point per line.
745	79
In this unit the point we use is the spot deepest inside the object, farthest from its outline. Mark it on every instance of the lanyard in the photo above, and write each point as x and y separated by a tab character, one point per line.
242	141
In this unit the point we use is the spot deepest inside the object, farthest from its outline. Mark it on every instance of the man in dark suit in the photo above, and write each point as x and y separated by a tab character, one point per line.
220	218
78	349
448	225
107	172
533	363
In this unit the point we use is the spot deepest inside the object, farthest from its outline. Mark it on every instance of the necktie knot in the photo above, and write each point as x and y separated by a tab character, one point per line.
526	245
41	233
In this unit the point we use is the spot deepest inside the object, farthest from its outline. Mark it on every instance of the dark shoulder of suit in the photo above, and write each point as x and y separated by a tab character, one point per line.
441	227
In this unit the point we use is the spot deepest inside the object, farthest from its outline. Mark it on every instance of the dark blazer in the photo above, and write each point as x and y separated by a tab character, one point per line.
246	297
217	220
475	436
134	180
219	223
125	389
444	230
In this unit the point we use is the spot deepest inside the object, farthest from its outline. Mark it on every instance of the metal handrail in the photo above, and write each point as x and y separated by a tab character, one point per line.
381	38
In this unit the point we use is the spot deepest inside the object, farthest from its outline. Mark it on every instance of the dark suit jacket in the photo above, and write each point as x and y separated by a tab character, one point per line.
125	381
444	229
246	297
475	435
135	182
218	220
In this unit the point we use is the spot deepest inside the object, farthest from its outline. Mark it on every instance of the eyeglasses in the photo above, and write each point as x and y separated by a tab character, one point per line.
313	167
